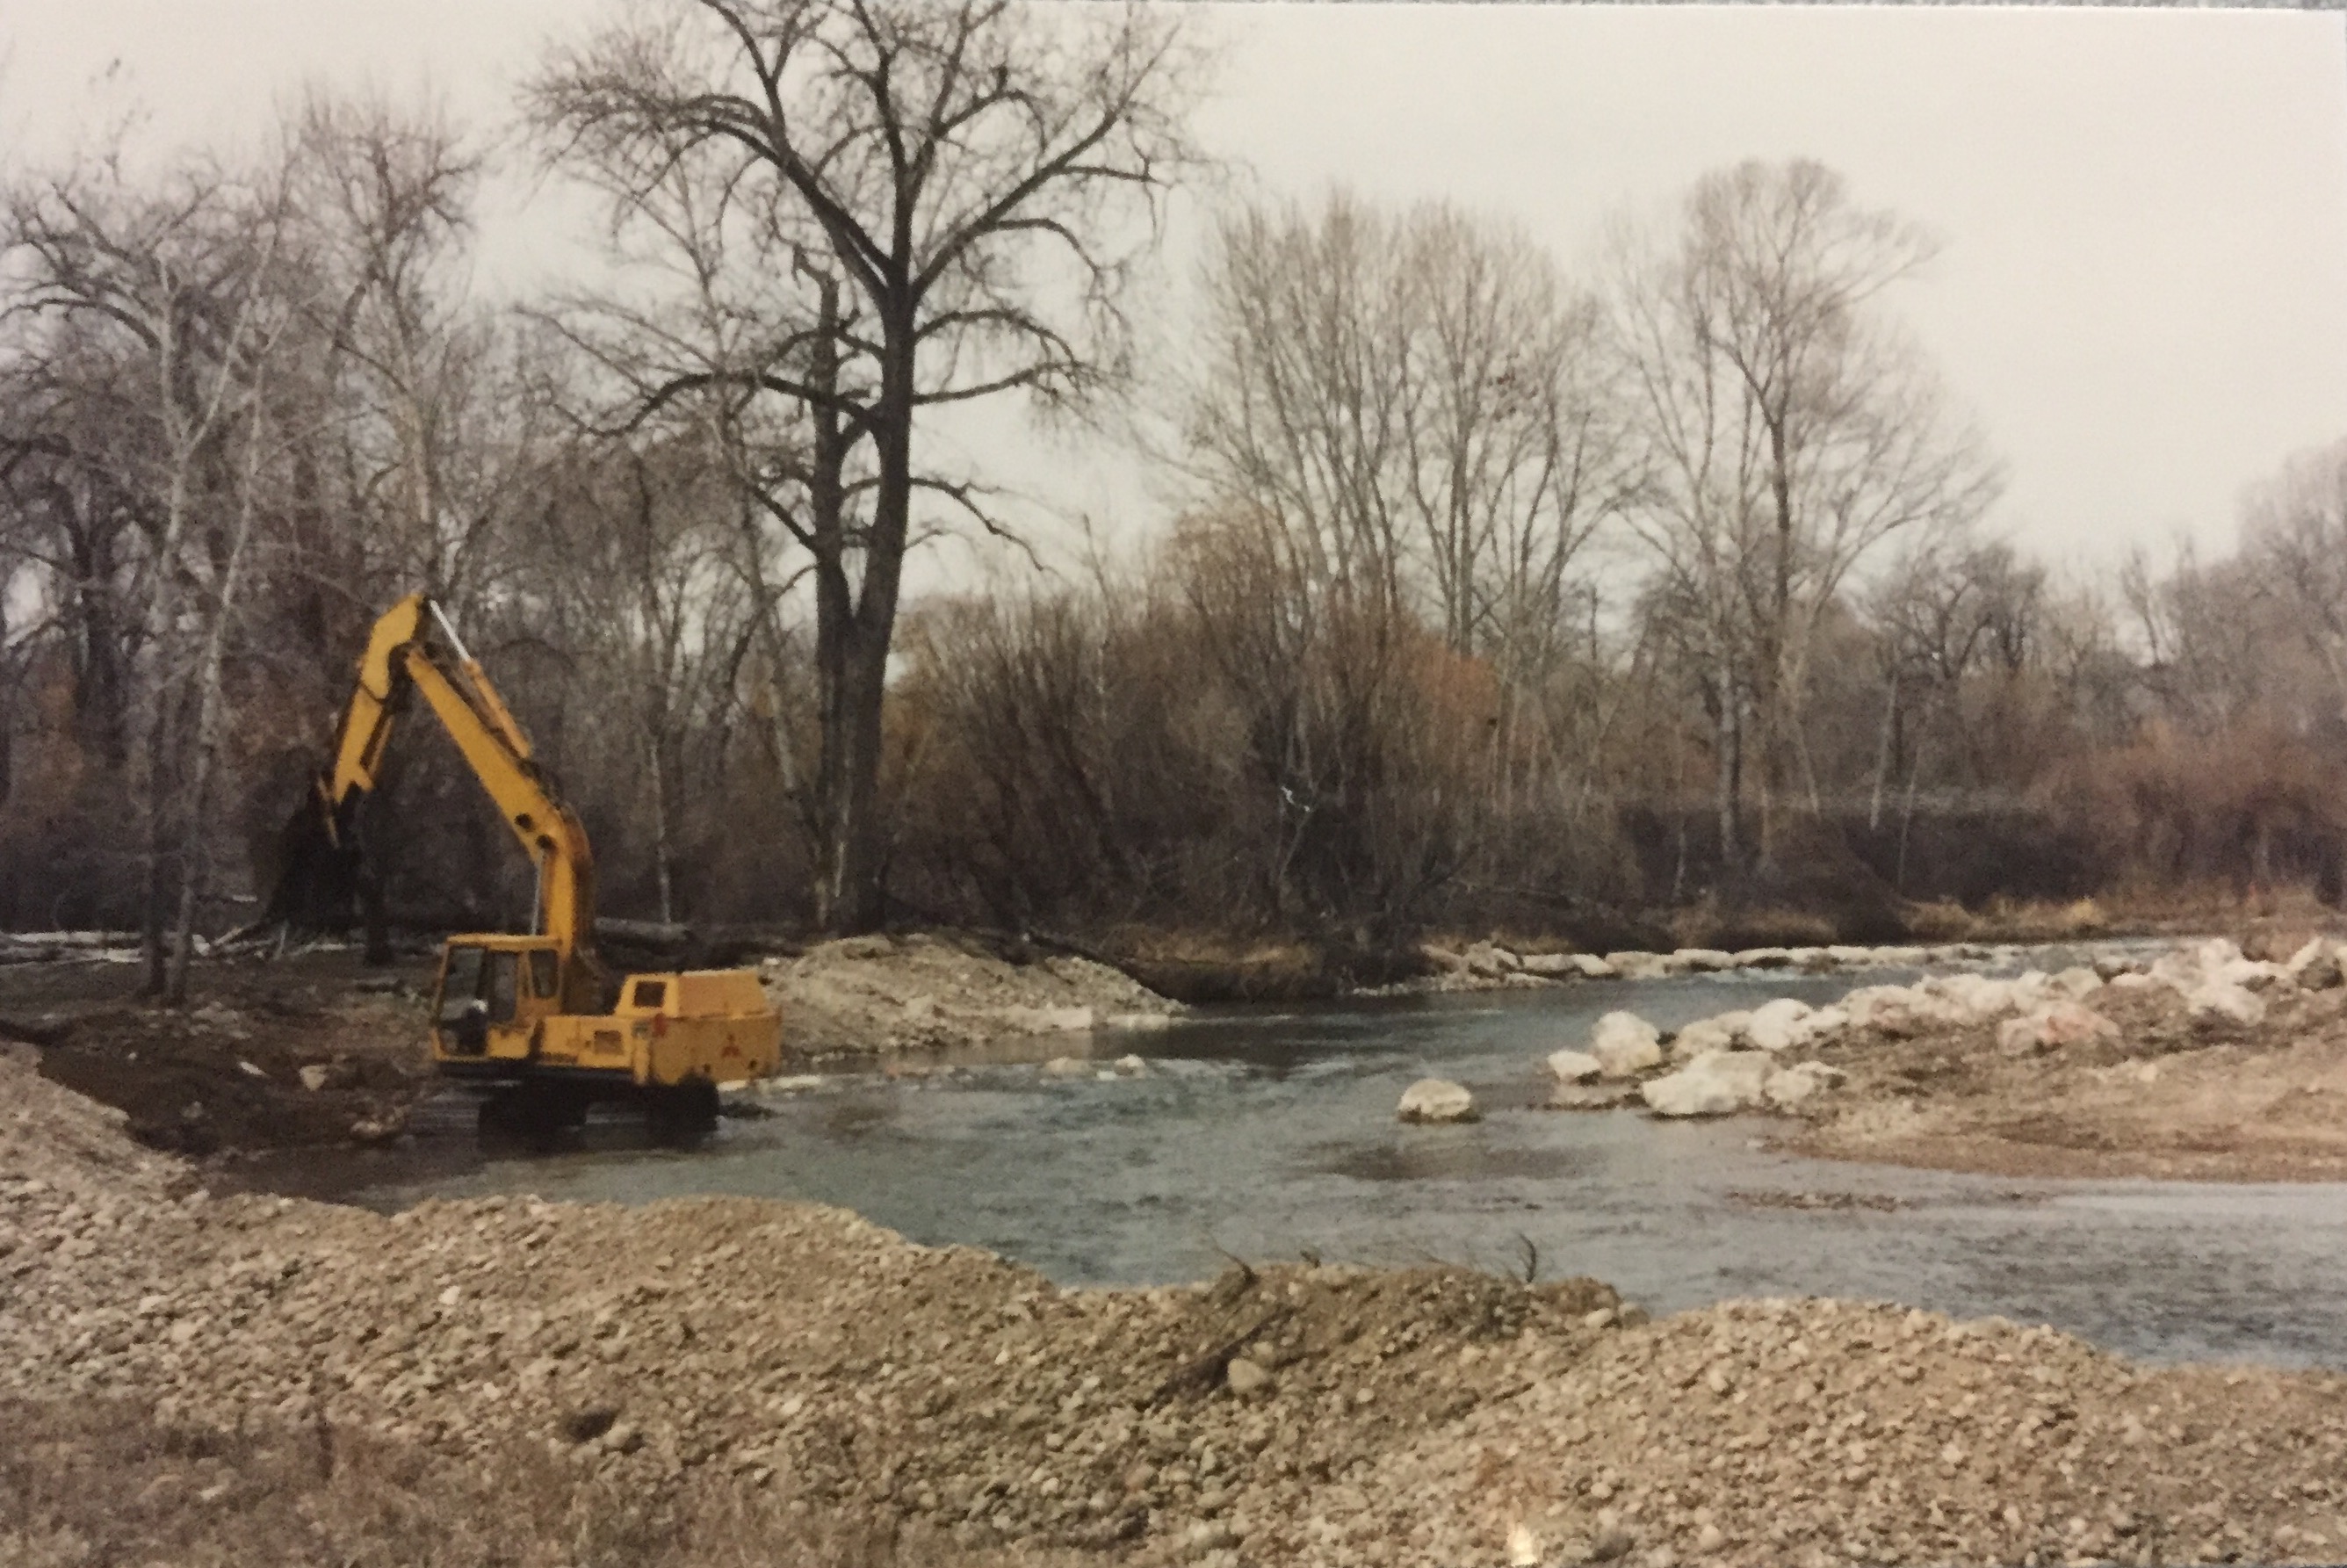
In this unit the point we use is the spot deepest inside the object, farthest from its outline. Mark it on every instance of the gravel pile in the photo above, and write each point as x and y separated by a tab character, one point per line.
863	995
1276	1415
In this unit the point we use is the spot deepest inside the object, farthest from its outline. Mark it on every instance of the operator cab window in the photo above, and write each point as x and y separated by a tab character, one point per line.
461	984
542	974
505	972
650	993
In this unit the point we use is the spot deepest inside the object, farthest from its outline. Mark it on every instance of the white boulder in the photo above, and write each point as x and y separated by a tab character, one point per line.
1639	966
1625	1044
1704	961
1548	965
1764	959
1592	967
2215	1003
1723	1032
1886	1007
1489	962
1574	1065
1437	1099
1778	1025
1717	1084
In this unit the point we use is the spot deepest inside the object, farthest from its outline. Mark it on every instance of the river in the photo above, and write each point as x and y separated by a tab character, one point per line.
1262	1135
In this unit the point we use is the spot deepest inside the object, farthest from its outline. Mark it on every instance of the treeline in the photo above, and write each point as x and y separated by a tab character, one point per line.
1502	595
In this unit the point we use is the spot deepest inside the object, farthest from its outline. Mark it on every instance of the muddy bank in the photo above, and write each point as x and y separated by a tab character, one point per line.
308	1052
812	1366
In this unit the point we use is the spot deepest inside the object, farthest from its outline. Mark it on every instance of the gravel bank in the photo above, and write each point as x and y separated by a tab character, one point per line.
806	1361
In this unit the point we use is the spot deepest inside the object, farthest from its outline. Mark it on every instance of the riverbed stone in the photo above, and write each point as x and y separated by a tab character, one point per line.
2217	1004
1437	1099
1490	961
1723	1031
1705	960
1778	1025
1636	966
1625	1044
1593	967
1717	1084
1574	1065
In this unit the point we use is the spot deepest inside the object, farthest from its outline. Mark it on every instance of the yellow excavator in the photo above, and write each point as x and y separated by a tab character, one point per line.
536	1020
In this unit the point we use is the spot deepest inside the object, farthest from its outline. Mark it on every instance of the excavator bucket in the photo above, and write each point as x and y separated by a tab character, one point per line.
317	885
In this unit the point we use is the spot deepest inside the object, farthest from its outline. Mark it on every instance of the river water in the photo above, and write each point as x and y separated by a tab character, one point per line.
1265	1135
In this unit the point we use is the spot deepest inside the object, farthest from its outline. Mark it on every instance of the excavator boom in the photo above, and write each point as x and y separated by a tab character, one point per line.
403	656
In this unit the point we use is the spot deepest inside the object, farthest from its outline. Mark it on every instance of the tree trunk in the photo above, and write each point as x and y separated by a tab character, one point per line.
854	626
195	857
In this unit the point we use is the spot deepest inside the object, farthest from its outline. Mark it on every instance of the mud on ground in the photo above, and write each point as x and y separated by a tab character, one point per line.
226	1072
2169	1097
530	1383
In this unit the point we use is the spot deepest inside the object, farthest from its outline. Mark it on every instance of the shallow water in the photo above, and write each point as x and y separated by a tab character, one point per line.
1265	1135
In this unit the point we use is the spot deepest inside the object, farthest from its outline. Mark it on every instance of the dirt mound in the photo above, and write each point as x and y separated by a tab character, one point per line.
865	995
813	1365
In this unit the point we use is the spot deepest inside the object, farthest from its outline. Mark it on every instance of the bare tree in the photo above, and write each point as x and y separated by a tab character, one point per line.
966	173
187	277
1418	401
1787	433
2294	538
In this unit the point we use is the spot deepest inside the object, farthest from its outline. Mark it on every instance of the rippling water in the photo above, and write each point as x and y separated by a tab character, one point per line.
1268	1135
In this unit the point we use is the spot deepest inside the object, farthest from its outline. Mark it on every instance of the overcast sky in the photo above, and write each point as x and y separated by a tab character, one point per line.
2143	296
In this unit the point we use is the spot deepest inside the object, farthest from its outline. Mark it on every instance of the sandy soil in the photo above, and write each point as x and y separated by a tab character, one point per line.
783	1363
2166	1098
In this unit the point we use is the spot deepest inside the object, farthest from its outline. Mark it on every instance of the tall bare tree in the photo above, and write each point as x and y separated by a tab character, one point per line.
1417	399
188	276
1788	431
969	175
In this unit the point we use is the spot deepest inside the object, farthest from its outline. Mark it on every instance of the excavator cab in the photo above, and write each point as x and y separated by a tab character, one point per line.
494	991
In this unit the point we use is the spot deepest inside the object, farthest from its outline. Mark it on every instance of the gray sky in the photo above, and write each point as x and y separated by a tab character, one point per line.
2143	296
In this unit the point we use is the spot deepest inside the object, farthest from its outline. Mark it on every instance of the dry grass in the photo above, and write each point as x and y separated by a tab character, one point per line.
88	1484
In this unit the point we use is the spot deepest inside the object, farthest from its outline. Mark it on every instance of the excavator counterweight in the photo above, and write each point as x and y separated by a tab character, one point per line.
536	1017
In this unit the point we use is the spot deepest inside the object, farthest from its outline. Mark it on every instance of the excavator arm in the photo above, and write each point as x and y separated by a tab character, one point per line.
323	849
